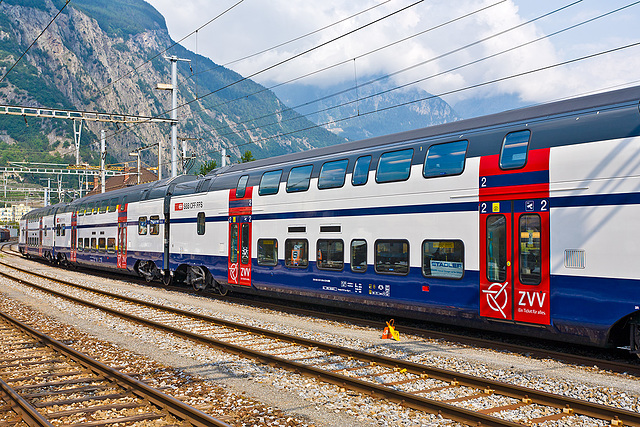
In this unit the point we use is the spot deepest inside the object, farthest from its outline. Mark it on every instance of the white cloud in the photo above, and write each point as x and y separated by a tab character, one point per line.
256	25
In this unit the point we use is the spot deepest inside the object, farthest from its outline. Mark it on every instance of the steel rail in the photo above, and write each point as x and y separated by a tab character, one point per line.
174	406
517	392
24	409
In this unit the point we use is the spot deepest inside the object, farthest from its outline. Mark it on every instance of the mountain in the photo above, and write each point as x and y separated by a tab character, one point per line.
105	57
370	108
484	105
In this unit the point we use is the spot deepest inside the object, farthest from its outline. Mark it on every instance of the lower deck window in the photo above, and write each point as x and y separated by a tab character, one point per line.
358	255
392	256
296	253
330	254
102	244
443	258
80	244
267	252
94	244
111	245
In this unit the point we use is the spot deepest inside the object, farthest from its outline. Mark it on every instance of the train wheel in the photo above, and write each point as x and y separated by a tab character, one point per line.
198	278
167	279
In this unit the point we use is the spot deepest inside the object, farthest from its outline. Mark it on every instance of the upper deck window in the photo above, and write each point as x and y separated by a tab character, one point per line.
445	159
394	166
242	186
269	183
514	150
332	174
360	174
299	179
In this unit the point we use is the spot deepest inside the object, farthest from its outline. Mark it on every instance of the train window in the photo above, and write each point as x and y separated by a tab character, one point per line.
514	149
62	229
269	183
104	206
394	166
154	225
296	253
80	244
123	204
81	210
94	244
87	246
359	255
142	225
233	243
530	262
102	244
496	248
201	223
445	159
443	258
242	186
267	252
57	229
332	174
244	244
113	204
298	179
330	255
392	256
111	245
360	174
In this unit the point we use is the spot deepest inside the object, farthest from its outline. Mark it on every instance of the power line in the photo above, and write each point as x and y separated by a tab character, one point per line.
450	92
36	39
174	44
292	58
294	39
417	65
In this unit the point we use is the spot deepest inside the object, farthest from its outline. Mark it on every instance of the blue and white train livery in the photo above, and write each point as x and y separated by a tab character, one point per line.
524	221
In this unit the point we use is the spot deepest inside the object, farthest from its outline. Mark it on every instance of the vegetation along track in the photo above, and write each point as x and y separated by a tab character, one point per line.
45	382
414	385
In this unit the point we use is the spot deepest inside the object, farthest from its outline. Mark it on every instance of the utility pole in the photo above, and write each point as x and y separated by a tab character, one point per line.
173	87
103	157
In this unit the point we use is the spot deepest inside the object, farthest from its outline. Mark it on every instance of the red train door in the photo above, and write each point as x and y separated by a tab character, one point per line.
121	261
239	260
514	240
74	236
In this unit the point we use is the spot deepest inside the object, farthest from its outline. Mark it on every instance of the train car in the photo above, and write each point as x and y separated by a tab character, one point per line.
521	222
5	234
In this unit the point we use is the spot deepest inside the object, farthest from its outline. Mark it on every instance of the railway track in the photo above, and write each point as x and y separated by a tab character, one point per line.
45	382
624	364
454	395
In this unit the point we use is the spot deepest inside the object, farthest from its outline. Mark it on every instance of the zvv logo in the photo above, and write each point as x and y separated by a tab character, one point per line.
497	297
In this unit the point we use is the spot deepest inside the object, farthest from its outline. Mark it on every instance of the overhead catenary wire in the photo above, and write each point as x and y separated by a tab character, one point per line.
358	99
349	60
296	38
173	45
243	79
441	94
35	40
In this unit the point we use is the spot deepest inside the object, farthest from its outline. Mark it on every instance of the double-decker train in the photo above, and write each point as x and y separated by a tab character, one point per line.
526	222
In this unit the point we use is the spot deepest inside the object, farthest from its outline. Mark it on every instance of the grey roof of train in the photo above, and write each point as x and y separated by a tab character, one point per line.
573	105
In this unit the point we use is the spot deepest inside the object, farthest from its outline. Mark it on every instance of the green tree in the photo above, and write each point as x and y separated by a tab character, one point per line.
247	157
207	167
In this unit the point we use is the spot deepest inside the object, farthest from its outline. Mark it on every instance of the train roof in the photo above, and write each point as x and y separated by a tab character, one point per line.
559	108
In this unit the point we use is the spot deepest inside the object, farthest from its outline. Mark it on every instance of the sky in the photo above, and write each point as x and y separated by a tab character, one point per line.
436	60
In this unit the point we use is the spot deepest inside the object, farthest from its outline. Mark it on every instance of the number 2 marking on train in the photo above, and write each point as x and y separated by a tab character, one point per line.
543	205
483	181
483	208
